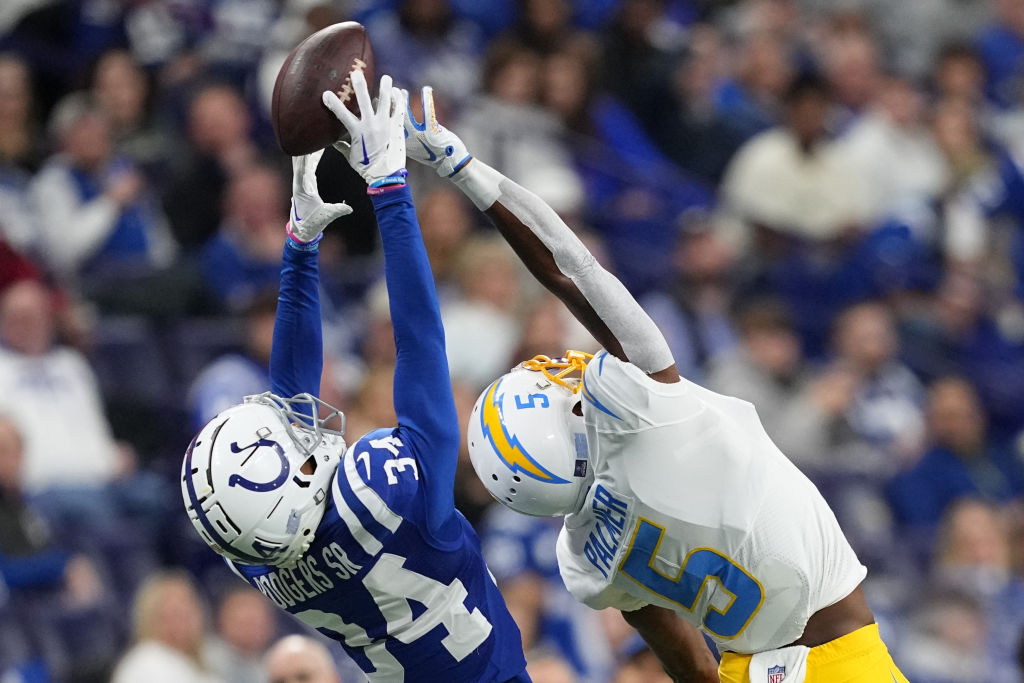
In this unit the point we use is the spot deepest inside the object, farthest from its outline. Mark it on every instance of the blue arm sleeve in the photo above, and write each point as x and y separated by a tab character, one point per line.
297	354
423	394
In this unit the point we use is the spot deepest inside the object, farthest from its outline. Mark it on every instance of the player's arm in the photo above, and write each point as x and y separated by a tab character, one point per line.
297	356
679	646
549	248
423	394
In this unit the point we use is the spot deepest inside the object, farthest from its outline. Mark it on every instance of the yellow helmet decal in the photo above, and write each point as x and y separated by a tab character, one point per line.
506	446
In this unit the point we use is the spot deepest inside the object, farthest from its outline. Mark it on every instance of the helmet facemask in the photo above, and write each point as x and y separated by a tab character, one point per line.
302	421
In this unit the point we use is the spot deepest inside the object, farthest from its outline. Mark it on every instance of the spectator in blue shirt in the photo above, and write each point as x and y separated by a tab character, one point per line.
962	461
1001	47
520	552
228	378
242	258
47	585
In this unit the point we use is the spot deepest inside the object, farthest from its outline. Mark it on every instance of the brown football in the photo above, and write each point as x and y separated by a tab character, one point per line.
323	61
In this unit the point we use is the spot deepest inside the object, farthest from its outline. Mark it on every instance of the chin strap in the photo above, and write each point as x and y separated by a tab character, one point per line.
558	370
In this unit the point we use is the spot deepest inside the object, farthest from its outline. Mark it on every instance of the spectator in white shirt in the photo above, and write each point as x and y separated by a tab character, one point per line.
169	631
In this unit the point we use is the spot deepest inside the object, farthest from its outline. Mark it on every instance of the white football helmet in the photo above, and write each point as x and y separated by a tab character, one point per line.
527	445
256	478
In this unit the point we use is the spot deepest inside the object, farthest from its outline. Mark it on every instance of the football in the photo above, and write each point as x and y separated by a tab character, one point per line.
323	61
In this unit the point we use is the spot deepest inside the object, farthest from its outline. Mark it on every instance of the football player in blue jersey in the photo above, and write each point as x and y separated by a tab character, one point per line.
367	547
678	509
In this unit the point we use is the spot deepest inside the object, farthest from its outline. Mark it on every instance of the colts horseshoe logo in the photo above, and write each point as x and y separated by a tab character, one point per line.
276	483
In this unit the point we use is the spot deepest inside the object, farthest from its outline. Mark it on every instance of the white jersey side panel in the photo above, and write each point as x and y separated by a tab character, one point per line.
693	508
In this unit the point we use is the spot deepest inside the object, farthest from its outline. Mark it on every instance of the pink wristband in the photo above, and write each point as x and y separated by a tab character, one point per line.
292	236
384	188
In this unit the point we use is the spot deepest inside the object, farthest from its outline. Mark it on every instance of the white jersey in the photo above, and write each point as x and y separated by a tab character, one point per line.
693	508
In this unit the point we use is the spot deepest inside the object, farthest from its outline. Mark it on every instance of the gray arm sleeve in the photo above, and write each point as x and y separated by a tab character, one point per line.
641	340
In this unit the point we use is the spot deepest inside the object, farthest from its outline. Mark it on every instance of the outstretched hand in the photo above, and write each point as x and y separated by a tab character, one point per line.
310	215
434	145
377	147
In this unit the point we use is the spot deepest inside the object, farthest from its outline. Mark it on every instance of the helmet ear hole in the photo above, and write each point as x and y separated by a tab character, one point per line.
578	409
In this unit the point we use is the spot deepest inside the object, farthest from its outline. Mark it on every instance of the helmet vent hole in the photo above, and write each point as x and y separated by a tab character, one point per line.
494	477
516	478
508	499
512	491
305	532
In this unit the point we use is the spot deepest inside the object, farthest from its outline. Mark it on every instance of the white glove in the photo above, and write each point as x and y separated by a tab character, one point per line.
310	215
437	146
377	147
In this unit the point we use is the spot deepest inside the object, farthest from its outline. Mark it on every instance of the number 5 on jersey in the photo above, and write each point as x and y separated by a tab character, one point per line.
701	566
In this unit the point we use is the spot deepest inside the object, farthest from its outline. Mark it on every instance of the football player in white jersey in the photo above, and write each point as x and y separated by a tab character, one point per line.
676	502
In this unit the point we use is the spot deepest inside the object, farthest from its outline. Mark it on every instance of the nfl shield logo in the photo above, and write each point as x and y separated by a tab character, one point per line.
776	674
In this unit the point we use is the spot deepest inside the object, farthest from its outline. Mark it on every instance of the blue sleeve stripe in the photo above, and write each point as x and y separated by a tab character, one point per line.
357	518
593	400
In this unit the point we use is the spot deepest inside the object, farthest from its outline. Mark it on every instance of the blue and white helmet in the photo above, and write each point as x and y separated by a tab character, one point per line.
527	445
255	480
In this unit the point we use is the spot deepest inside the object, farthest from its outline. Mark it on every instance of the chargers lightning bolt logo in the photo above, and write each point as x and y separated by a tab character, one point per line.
507	446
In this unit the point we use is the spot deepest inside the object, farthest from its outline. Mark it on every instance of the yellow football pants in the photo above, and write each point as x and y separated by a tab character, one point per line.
858	657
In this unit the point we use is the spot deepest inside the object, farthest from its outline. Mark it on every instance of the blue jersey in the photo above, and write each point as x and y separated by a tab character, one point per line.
405	604
394	572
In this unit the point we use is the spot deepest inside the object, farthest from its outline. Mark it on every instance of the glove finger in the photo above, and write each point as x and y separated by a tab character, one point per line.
362	94
338	108
385	100
411	124
298	169
429	111
398	132
307	175
397	106
338	210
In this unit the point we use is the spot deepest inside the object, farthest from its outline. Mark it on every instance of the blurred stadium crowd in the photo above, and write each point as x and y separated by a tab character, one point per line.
821	202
